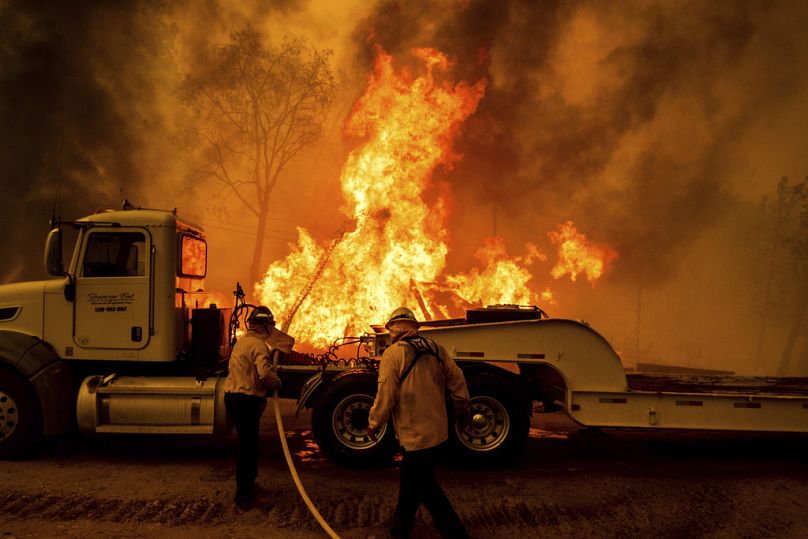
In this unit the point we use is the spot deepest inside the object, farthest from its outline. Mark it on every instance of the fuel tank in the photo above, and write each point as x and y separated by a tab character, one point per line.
158	405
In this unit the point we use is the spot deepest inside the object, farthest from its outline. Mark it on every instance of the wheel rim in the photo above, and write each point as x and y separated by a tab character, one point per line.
350	422
9	416
486	427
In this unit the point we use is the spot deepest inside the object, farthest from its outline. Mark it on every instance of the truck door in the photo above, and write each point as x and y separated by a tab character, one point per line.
113	289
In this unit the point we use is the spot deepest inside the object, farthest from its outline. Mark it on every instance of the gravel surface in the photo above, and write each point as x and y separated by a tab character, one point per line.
568	482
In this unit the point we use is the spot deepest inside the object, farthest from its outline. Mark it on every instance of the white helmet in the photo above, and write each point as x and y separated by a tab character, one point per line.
403	314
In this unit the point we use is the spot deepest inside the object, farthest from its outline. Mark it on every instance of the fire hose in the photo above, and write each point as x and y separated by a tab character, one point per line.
299	484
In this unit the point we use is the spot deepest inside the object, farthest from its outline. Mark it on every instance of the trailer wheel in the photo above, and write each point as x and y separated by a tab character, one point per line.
496	425
340	422
20	416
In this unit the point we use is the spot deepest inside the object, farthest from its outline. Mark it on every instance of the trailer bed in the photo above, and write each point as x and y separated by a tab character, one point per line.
727	384
697	401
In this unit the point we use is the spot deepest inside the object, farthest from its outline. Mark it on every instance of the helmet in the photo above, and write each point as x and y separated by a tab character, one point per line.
402	313
261	315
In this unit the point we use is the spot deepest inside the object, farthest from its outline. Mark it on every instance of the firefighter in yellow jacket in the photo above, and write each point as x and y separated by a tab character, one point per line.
250	377
415	373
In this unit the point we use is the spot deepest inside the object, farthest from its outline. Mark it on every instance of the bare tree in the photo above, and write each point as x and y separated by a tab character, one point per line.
257	107
775	218
795	241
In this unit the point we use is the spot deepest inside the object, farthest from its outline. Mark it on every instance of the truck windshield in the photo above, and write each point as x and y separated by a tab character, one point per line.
115	254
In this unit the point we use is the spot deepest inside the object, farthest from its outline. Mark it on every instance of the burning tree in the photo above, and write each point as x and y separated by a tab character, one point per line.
257	108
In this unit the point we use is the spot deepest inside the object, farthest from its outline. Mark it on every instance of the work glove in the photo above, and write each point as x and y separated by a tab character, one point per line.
272	381
460	411
372	434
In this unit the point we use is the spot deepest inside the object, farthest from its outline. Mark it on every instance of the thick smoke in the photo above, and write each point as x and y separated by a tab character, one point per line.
77	113
619	116
643	123
90	106
656	127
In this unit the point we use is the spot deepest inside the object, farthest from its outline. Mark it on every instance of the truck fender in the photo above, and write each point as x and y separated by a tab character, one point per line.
50	377
309	388
315	385
518	383
471	368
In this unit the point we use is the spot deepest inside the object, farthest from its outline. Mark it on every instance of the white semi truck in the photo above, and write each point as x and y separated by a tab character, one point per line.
114	344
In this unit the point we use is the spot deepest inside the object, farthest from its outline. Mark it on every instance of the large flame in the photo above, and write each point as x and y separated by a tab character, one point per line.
393	251
578	256
397	241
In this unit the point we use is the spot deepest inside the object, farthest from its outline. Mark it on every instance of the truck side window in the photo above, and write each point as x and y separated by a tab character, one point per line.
193	257
115	254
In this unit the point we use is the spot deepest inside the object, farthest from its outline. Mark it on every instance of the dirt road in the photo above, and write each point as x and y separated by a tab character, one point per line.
567	483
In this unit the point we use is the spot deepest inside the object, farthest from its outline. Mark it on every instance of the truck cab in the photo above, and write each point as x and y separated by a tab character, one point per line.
122	304
124	295
127	288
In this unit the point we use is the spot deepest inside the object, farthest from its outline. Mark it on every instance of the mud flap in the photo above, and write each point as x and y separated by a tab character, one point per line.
309	388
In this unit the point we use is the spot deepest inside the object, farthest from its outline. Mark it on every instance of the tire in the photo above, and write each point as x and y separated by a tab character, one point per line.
496	425
340	420
20	416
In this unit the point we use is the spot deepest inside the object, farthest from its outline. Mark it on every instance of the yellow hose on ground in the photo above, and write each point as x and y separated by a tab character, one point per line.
298	483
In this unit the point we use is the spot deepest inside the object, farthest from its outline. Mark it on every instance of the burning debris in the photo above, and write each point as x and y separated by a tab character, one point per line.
502	279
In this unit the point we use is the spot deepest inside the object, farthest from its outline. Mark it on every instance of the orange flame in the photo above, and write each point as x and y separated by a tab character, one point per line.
502	280
578	256
396	240
393	252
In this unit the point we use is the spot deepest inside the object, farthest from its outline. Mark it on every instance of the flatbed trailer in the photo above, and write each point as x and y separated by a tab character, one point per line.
698	402
513	364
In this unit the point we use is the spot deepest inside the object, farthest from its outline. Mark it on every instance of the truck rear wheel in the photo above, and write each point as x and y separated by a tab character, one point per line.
496	424
340	422
20	416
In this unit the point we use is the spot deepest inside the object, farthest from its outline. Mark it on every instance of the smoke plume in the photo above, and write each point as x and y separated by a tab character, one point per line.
622	117
76	113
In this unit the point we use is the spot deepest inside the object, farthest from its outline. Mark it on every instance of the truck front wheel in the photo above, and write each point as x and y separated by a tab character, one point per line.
496	424
340	421
20	416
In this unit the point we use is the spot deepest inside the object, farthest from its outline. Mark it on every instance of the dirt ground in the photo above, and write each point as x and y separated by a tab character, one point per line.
568	482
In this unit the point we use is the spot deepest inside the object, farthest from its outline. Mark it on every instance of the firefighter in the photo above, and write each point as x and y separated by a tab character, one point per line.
415	374
251	376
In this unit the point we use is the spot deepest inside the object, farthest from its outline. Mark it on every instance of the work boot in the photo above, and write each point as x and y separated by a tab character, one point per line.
399	529
261	496
244	498
454	533
454	529
399	533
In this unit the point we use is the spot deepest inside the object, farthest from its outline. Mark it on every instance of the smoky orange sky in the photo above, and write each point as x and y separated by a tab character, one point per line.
656	127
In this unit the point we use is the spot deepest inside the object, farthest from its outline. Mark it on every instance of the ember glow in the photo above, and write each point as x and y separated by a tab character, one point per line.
393	251
577	256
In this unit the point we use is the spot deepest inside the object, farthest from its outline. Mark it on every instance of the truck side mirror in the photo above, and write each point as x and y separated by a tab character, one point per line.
53	253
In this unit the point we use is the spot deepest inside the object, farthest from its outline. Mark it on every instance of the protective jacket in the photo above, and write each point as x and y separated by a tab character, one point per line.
250	369
418	403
